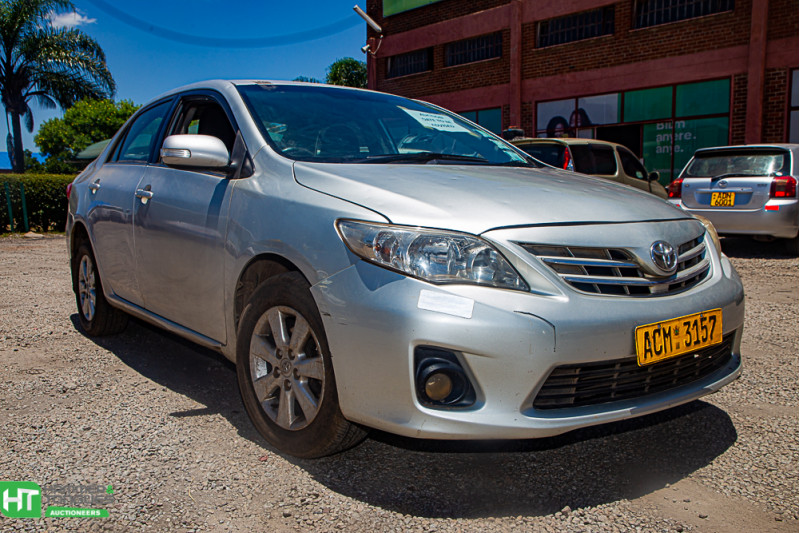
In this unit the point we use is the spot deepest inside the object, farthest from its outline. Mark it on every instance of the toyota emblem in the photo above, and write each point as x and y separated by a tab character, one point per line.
664	256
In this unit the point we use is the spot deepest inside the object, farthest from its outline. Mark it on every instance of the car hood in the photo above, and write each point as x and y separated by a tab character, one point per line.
477	198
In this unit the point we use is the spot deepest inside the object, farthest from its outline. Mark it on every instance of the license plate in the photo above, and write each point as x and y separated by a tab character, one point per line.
670	338
722	199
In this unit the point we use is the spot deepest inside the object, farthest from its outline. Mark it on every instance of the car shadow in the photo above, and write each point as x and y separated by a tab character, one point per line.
747	248
457	479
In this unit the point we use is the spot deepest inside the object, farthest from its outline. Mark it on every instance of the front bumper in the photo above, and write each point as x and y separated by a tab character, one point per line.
508	346
778	218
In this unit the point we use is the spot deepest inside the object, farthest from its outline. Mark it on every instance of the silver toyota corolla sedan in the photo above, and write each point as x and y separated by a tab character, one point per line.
370	261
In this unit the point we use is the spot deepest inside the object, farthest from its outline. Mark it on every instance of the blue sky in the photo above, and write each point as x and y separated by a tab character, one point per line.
154	46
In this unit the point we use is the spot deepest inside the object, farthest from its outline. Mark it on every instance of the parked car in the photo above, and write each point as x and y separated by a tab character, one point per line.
454	289
743	190
597	158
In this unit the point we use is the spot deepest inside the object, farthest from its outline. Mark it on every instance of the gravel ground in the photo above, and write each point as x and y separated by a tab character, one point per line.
160	420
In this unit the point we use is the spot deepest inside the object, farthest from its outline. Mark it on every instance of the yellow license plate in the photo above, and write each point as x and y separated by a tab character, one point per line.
722	199
670	338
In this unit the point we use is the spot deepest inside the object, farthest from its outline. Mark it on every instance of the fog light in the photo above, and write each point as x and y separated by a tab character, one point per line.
440	380
438	387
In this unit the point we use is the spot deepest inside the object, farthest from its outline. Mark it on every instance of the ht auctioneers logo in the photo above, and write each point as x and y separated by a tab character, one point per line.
23	499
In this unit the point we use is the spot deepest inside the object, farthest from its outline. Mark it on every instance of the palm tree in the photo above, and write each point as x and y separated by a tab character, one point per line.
38	63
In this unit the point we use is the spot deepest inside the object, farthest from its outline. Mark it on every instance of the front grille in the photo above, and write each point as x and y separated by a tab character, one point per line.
623	379
615	271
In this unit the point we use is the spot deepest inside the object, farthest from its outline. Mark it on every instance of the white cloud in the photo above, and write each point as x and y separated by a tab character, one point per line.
69	20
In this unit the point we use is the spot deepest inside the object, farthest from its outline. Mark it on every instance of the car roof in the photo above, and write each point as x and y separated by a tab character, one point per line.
567	141
224	85
785	146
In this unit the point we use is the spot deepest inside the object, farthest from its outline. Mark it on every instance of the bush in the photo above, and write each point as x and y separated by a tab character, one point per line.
45	198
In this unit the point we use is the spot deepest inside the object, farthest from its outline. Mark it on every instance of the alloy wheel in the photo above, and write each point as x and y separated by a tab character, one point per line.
286	368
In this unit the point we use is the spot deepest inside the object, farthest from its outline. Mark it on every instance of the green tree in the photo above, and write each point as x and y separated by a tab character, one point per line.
38	63
347	71
85	123
307	79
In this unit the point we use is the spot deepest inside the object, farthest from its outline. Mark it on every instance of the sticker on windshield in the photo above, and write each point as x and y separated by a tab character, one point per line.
435	121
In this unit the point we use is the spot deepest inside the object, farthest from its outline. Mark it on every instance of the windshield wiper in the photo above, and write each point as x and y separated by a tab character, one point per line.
741	175
527	164
423	157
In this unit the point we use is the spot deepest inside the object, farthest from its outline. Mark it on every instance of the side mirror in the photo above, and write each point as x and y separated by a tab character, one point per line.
197	151
654	176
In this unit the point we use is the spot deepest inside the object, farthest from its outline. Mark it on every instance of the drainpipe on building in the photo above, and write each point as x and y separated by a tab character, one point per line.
515	61
756	65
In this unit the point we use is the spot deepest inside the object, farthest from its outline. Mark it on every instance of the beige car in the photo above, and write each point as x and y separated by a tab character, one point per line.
596	158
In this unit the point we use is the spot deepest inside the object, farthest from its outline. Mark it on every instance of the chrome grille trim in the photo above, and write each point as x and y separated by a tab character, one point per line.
691	254
587	262
644	282
618	272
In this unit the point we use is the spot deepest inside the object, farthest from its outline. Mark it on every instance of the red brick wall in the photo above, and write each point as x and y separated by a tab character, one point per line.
776	84
738	109
527	119
461	77
782	19
721	30
422	16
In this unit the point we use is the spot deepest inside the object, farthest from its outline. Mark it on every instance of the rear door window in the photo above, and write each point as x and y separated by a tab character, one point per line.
632	166
550	153
595	159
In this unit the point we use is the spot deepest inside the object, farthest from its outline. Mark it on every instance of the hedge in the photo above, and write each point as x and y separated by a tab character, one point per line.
45	200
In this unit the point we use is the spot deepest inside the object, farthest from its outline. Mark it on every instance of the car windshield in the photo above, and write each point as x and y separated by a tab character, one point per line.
737	164
333	125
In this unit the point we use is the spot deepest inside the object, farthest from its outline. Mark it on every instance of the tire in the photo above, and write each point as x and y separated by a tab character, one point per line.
286	380
98	318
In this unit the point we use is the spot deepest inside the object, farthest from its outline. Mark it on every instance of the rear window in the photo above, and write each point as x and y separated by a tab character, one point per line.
552	154
594	159
739	163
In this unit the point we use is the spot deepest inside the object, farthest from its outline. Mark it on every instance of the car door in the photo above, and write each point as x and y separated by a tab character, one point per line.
111	190
180	224
634	174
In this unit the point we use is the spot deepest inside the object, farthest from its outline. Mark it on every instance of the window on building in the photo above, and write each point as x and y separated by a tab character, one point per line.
409	63
392	7
648	104
702	98
576	27
793	118
475	49
491	119
654	12
665	125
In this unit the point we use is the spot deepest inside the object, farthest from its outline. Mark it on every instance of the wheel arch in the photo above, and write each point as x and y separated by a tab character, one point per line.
78	235
259	269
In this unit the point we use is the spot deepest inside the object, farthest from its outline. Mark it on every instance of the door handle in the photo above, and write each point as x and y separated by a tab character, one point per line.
145	194
95	186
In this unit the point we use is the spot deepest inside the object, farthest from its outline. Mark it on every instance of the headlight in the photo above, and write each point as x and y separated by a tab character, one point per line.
712	232
432	255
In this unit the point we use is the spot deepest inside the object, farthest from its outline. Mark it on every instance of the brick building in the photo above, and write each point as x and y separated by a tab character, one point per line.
664	77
